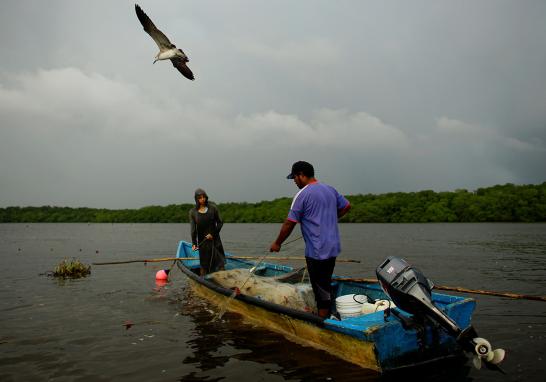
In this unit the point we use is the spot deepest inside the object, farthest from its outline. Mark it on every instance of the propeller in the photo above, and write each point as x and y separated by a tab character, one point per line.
485	353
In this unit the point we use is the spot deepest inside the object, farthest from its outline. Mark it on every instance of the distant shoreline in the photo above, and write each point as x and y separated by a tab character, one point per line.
500	203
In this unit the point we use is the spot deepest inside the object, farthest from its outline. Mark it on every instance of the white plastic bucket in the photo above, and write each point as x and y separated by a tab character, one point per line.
350	305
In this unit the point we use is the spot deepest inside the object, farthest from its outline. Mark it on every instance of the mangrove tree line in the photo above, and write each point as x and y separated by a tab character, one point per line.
501	203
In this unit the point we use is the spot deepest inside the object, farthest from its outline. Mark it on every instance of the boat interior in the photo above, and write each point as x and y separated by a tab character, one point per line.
284	273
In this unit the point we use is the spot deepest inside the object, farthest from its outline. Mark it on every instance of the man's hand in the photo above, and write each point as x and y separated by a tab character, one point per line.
208	237
286	230
275	247
194	247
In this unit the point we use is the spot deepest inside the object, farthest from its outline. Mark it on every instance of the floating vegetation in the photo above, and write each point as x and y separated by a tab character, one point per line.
72	269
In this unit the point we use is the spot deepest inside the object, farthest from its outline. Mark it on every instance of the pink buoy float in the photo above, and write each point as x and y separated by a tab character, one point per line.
162	274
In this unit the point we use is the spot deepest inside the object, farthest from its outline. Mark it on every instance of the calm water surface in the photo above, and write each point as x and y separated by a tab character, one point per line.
73	330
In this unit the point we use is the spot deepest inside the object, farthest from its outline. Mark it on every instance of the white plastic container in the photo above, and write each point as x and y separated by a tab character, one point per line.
384	304
350	305
379	306
368	308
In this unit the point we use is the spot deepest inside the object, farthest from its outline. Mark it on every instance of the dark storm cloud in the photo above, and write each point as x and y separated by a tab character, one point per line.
381	97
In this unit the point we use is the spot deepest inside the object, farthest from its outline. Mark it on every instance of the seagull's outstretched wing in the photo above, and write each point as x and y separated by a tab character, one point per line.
160	39
180	64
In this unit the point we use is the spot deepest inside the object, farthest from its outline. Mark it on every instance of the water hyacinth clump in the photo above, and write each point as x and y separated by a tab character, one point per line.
71	269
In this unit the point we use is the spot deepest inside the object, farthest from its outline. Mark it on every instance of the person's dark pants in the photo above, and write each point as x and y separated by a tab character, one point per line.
320	274
211	256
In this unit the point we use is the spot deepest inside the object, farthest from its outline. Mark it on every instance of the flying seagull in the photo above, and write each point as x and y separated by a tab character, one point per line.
167	50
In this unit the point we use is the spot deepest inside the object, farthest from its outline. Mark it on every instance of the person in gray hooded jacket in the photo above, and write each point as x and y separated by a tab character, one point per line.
205	225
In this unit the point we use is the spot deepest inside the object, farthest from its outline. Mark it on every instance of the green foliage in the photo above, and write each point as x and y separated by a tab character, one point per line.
72	269
501	203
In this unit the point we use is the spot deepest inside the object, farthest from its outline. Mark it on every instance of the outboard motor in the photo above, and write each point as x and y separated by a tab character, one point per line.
410	290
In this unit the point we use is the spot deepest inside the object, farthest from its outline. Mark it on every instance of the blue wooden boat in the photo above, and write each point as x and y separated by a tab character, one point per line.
376	341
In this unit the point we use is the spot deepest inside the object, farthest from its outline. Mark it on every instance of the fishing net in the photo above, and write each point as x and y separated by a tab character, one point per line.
297	296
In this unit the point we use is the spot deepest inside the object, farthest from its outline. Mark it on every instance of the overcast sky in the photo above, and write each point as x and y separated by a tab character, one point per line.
379	96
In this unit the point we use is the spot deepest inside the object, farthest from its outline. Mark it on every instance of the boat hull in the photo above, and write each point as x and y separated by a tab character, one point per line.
301	332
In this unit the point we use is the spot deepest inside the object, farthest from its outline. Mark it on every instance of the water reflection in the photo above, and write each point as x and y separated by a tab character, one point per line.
209	336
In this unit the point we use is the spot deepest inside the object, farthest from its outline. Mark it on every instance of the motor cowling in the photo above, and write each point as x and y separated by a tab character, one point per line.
411	291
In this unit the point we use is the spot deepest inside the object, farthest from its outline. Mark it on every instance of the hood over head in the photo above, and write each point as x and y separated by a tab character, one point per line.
198	193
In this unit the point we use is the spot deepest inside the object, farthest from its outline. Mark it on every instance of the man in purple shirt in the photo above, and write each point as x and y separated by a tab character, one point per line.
317	207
